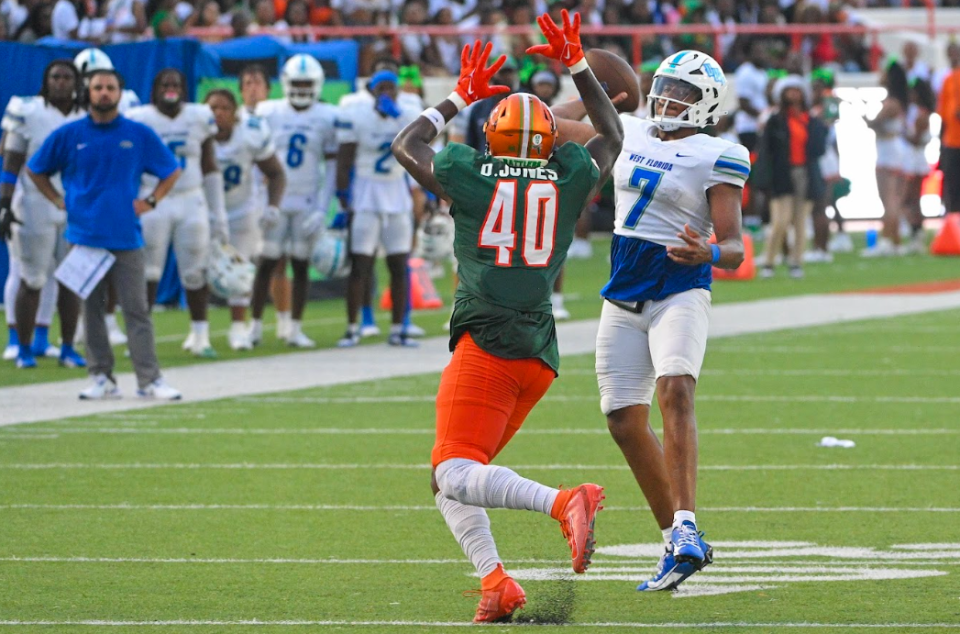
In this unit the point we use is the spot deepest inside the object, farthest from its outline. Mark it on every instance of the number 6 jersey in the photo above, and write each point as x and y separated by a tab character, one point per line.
660	186
513	226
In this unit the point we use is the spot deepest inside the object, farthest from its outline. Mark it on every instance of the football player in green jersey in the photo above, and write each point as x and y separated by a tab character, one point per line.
514	207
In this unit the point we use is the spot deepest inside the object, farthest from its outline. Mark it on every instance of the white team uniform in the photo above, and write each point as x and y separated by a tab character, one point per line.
128	101
38	243
655	322
249	144
302	139
380	194
182	217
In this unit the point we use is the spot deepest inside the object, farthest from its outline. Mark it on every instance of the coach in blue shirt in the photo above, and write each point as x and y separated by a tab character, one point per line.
101	159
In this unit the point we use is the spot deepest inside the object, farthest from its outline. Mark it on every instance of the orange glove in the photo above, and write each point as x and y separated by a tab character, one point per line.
474	83
563	45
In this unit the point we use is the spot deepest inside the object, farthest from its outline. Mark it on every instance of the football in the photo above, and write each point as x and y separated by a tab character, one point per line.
616	76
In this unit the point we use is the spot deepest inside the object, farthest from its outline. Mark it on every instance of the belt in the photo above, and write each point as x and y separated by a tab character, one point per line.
633	307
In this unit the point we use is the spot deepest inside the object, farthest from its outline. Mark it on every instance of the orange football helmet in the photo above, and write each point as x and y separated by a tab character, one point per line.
521	127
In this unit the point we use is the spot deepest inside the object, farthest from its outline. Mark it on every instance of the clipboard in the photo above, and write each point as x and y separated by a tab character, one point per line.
83	268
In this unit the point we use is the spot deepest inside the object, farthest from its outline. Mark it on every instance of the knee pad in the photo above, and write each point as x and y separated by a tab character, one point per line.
453	476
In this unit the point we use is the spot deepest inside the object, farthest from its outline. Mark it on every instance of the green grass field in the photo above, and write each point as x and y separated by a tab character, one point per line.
311	511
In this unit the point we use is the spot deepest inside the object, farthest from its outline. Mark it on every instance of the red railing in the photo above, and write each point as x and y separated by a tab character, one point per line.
796	32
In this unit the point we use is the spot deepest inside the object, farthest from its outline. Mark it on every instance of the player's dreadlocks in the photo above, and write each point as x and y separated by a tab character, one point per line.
65	63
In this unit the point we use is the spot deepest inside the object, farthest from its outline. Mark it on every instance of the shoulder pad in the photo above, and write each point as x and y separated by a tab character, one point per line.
18	109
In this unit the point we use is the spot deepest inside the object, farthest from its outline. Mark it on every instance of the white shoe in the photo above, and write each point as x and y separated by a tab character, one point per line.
189	342
103	388
884	248
283	326
300	340
796	272
116	336
371	330
817	257
52	352
580	249
766	272
255	334
561	314
10	353
202	348
239	336
840	243
415	331
160	390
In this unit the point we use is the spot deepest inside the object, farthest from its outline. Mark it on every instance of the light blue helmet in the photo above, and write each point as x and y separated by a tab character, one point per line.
679	79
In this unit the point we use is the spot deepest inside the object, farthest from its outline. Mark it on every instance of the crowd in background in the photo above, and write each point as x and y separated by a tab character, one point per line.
114	21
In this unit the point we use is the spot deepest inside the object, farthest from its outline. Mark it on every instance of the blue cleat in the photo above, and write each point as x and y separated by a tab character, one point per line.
70	358
687	544
671	572
25	358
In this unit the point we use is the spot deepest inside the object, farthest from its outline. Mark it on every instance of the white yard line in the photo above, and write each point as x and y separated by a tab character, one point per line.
264	375
247	466
421	624
589	398
377	508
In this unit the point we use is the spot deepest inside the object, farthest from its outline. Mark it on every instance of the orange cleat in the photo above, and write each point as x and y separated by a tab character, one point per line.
499	604
576	522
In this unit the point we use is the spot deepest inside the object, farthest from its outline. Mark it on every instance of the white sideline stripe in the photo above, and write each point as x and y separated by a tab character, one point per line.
424	467
671	625
53	432
559	398
280	373
728	349
327	321
431	507
793	372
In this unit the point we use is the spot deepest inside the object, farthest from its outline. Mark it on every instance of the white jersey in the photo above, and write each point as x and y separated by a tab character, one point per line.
128	101
27	122
249	144
302	138
373	134
662	185
184	134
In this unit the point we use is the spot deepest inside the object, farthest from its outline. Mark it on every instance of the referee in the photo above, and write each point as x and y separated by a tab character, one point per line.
101	159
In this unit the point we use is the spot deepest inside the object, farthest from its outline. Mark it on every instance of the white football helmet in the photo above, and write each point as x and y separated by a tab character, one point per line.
692	79
435	238
229	273
91	59
331	255
302	68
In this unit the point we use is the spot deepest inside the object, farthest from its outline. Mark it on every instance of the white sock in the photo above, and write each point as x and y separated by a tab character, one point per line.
396	329
200	328
283	317
294	328
471	527
557	300
492	487
667	535
48	301
684	516
112	322
353	329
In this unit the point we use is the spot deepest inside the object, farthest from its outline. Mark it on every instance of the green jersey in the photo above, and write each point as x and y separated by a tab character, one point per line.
513	228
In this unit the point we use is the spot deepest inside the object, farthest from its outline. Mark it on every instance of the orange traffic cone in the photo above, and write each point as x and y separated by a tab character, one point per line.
947	241
747	270
423	294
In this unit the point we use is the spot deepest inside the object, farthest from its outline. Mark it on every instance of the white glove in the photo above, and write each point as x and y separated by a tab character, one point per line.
312	224
219	231
269	218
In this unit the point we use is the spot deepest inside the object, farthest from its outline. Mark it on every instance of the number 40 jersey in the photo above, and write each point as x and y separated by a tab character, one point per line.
301	138
660	186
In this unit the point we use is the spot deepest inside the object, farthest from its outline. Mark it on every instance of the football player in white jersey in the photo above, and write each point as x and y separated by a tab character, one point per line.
379	198
87	61
674	186
241	145
38	243
194	211
302	131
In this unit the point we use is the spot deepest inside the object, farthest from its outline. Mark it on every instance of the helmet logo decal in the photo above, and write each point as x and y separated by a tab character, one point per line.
714	73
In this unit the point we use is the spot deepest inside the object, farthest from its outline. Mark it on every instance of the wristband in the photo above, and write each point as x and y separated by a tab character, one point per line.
716	253
457	100
8	178
433	116
579	67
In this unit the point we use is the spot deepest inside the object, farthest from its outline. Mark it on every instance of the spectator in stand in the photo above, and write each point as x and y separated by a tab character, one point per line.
126	19
297	15
889	125
39	23
751	84
447	46
788	169
163	18
240	23
953	59
917	137
915	67
417	48
66	19
209	14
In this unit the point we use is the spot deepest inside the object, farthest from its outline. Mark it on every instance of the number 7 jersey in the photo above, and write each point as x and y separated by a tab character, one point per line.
513	228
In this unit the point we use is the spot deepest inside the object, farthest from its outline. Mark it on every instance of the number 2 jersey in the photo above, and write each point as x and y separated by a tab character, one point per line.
184	134
302	138
249	144
513	228
660	186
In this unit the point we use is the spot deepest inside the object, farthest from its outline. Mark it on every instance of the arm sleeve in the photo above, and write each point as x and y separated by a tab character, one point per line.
731	167
51	157
15	142
575	160
158	160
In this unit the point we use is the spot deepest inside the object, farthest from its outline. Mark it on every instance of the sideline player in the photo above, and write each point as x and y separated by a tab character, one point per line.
188	218
303	130
38	243
380	200
514	208
674	187
242	144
